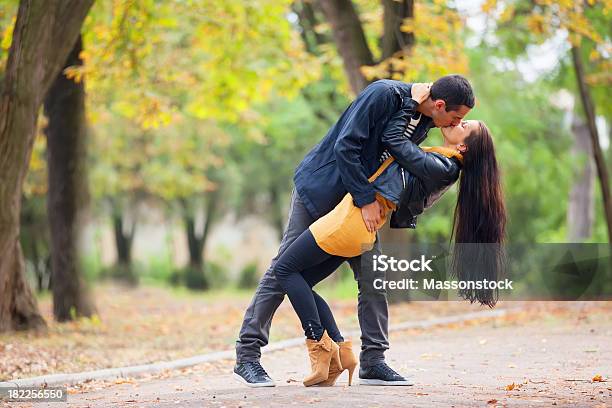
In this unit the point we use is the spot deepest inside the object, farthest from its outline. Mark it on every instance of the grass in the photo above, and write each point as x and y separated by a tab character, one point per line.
343	289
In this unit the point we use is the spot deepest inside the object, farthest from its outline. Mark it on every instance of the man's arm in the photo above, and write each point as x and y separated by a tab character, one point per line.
375	104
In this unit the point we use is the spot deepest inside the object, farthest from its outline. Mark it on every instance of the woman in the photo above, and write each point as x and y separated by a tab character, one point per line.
479	218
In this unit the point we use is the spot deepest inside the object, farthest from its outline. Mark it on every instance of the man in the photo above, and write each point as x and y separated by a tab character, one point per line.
377	124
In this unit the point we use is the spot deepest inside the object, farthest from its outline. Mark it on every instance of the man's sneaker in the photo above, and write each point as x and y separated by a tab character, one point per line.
252	374
381	374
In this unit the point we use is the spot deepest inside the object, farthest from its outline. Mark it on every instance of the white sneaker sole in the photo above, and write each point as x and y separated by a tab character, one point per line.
363	381
253	385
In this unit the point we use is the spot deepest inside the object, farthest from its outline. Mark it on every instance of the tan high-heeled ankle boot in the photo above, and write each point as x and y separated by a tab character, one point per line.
348	361
320	353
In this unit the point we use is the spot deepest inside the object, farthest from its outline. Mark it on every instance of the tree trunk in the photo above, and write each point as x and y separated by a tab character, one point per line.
278	216
195	242
35	242
308	23
41	265
124	237
36	263
210	214
394	39
67	195
43	36
581	208
350	40
196	277
194	274
589	112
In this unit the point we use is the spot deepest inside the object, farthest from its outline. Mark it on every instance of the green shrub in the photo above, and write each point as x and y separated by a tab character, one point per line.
195	278
212	276
217	275
123	273
248	277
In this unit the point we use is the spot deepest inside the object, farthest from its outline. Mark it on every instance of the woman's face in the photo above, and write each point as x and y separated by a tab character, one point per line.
456	135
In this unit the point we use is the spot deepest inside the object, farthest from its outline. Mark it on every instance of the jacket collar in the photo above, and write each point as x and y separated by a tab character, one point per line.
445	151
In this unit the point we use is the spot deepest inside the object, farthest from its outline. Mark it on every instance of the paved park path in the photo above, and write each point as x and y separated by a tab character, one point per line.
548	361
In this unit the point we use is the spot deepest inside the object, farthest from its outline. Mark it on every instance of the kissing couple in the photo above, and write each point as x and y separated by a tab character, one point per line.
369	167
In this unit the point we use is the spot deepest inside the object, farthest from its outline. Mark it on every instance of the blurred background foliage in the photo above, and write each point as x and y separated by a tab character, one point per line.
201	109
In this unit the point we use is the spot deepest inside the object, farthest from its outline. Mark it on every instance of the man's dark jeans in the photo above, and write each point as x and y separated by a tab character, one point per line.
372	307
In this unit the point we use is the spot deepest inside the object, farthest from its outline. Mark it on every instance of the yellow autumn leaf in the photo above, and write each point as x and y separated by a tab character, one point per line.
488	6
510	387
536	23
7	35
507	14
408	25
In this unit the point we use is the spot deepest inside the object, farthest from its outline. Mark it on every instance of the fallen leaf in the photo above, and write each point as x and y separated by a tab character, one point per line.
510	387
598	378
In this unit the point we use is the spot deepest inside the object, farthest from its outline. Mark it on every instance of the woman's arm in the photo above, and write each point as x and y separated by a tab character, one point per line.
427	167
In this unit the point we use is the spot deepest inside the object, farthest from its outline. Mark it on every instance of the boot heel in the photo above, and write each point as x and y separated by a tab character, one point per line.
350	370
344	360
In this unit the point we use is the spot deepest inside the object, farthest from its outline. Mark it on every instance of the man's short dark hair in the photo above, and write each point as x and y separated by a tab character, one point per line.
454	90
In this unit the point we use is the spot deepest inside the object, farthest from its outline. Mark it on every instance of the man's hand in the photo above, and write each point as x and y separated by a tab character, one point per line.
372	215
420	91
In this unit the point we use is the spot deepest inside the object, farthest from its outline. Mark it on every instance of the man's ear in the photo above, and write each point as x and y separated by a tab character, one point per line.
440	104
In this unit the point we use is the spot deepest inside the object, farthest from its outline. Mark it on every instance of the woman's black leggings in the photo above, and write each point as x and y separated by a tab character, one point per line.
301	266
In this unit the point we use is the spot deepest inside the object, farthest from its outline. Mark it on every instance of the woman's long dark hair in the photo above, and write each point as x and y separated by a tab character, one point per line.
479	224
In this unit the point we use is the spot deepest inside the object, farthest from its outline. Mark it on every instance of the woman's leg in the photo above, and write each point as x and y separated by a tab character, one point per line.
327	318
315	275
347	360
302	254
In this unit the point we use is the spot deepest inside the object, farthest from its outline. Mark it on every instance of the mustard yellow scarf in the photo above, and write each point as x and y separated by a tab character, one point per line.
446	151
